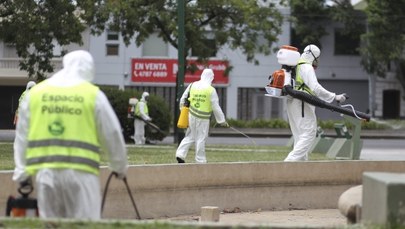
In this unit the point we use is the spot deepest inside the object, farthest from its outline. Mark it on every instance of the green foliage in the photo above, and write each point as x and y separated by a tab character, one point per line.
383	44
160	113
87	224
307	17
6	156
280	123
259	123
385	38
238	23
32	26
158	110
372	125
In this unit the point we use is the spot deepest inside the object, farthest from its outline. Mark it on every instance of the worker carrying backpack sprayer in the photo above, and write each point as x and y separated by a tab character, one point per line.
296	81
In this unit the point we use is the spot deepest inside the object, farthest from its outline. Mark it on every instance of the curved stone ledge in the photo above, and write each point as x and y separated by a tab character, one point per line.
172	189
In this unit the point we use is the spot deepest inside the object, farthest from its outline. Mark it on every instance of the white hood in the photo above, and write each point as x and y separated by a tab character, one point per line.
309	52
30	84
207	76
79	64
144	95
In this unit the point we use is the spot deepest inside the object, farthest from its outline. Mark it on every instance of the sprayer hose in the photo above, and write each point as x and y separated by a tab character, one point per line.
322	104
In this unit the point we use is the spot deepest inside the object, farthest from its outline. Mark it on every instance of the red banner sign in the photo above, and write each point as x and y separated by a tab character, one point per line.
165	70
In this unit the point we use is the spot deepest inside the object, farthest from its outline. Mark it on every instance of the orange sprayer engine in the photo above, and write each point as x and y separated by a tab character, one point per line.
288	57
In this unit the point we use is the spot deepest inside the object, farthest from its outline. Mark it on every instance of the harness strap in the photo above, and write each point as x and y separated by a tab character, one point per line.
302	108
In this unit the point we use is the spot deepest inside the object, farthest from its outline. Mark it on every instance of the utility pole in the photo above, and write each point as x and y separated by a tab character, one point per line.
181	8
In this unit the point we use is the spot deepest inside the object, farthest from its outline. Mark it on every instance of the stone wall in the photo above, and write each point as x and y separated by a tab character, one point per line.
171	190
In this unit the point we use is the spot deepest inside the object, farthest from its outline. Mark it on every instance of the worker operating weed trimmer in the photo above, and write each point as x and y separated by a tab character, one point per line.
296	81
138	109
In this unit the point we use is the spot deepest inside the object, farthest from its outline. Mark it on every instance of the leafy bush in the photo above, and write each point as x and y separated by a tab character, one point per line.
280	123
158	110
258	123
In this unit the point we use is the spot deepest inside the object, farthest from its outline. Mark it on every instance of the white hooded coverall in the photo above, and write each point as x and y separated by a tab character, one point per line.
70	193
304	128
30	84
197	131
139	125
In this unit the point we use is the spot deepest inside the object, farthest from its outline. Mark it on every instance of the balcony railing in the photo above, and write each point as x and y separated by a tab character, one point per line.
10	66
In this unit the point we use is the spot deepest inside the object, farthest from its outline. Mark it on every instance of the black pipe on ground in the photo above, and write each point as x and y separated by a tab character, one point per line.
322	104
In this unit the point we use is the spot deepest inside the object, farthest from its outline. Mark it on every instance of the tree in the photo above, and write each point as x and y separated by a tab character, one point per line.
310	17
33	26
385	42
307	18
242	24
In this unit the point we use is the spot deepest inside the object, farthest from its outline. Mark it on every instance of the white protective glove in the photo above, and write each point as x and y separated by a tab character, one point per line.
224	124
341	98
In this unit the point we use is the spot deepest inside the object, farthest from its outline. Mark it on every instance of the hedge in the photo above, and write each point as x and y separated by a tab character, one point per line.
158	110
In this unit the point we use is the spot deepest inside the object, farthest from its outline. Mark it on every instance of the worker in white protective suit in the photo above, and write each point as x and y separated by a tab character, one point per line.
203	102
65	122
301	115
30	84
141	115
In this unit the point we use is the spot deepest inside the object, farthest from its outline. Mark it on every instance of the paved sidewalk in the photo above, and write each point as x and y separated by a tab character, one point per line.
314	218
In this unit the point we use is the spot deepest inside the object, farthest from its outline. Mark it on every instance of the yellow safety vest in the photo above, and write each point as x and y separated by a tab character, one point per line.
62	133
138	110
299	83
200	102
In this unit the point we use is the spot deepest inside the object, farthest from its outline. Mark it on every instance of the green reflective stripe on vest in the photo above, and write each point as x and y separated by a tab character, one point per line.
138	110
63	133
200	102
67	143
299	83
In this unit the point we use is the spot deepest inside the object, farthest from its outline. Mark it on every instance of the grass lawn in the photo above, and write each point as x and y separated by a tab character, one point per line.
165	154
103	224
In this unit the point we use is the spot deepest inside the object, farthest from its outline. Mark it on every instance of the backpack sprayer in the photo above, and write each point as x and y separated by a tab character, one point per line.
22	206
282	83
131	108
288	57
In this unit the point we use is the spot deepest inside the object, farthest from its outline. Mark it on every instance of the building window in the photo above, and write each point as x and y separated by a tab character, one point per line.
154	46
112	36
346	43
112	49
